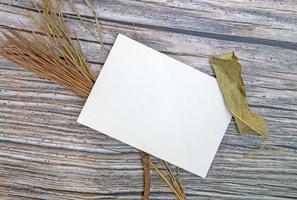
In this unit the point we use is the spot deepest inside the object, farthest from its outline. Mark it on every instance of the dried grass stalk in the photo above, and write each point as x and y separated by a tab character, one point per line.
98	35
55	56
98	25
174	182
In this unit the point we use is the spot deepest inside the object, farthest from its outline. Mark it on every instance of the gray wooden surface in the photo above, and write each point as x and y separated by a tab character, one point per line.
45	154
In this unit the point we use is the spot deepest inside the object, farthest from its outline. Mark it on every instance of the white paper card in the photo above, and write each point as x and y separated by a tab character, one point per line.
159	105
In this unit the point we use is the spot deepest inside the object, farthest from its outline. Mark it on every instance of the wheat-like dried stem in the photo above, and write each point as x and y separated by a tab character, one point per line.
55	56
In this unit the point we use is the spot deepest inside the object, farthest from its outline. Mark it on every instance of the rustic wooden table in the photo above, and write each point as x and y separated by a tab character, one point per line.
45	154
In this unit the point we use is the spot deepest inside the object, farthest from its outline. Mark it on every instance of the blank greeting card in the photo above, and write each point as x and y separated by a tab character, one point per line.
158	105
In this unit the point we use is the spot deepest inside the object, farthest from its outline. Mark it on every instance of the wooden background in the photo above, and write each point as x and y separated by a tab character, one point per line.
45	154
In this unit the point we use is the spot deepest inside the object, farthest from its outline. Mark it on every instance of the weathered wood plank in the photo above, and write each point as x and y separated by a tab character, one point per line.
233	21
45	154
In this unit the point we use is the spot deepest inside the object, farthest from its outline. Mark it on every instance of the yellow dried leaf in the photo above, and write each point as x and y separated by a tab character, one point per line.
228	74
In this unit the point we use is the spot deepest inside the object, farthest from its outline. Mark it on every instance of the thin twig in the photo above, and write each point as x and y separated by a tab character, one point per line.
147	177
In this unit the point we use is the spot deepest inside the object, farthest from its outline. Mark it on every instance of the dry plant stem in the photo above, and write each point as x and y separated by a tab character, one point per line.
56	56
53	25
179	181
98	25
25	50
147	177
173	183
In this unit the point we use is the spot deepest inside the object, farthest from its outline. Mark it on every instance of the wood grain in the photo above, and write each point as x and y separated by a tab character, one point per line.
45	154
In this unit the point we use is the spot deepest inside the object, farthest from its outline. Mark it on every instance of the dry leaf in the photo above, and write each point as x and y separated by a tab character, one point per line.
228	74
